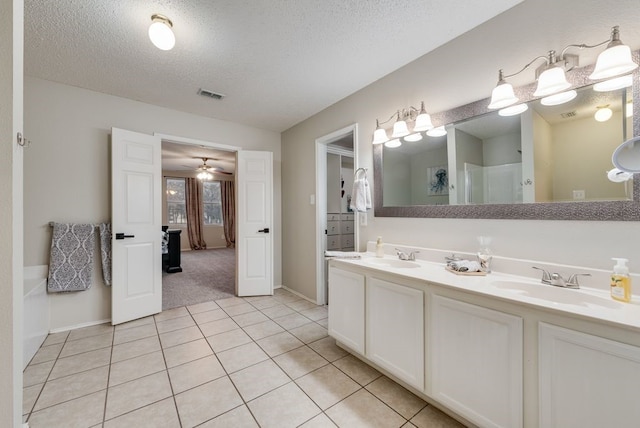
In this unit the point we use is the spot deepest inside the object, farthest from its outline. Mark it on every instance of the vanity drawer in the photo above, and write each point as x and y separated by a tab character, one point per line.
346	241
346	227
333	242
333	227
347	217
333	217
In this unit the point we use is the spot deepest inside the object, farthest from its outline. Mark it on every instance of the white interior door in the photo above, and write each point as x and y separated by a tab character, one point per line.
136	217
254	215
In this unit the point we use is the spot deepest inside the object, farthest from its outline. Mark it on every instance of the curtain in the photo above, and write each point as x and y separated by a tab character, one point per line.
228	202
195	218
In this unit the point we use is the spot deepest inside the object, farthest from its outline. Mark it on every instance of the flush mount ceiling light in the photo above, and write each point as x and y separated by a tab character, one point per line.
160	32
421	119
614	61
603	113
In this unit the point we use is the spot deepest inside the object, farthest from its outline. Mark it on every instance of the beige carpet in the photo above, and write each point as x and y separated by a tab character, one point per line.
206	275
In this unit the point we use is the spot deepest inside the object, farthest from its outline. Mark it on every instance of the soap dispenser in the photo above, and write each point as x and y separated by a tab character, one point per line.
620	281
379	247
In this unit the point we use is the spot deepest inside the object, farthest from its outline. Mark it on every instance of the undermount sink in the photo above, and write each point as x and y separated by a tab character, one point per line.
393	263
556	294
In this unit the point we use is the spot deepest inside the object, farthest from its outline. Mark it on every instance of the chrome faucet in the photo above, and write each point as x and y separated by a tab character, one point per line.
404	256
557	279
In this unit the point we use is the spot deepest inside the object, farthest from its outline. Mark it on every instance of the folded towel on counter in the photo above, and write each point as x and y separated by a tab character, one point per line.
342	254
105	252
360	195
464	266
71	260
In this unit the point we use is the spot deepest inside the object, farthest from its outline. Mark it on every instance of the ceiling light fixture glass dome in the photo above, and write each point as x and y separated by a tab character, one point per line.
160	32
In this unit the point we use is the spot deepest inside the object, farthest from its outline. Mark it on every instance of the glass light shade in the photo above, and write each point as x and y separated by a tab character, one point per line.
502	96
513	110
557	99
423	123
437	132
614	84
629	112
603	114
204	176
380	136
413	137
551	80
392	144
400	129
161	34
613	61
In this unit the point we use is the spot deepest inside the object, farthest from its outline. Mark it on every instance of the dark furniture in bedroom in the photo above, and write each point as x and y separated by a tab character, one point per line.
171	259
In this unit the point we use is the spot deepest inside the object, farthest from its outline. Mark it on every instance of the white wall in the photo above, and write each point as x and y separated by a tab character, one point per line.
11	273
460	72
67	171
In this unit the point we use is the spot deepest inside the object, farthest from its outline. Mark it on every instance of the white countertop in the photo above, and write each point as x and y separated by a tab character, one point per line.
584	302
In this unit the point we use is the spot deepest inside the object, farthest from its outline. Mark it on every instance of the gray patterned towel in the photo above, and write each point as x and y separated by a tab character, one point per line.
71	261
105	252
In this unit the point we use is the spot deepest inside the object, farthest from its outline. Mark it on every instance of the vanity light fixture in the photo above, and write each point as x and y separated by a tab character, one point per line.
614	61
413	137
392	144
557	99
513	110
603	113
437	132
421	119
160	32
614	84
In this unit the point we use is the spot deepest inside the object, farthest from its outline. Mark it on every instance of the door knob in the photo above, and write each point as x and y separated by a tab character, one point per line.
122	236
265	230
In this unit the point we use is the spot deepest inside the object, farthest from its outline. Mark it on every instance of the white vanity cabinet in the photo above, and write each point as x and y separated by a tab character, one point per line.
475	362
586	380
346	308
395	329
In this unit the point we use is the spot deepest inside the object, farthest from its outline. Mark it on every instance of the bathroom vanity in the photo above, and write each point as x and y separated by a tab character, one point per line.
496	351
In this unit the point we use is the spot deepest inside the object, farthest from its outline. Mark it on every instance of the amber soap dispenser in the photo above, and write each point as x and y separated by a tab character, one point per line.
620	281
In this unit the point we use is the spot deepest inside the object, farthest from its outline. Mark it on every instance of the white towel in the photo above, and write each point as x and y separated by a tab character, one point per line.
360	195
342	254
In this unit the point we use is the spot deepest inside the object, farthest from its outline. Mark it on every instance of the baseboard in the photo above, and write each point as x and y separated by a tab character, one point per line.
298	294
76	326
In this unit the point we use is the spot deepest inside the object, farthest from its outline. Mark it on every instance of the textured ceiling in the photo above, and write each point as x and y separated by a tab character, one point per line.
188	157
278	62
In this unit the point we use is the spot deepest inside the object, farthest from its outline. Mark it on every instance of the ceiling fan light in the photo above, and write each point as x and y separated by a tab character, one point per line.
614	84
160	32
400	129
613	61
513	110
502	96
551	80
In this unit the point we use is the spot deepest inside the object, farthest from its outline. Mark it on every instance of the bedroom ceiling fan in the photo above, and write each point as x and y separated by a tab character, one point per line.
205	172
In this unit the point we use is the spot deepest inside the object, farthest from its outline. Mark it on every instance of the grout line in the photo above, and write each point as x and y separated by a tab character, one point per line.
106	395
166	368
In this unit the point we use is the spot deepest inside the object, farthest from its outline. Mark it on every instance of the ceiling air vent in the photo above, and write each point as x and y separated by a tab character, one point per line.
569	114
210	94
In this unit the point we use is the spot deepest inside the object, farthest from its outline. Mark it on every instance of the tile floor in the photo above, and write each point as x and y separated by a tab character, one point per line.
238	362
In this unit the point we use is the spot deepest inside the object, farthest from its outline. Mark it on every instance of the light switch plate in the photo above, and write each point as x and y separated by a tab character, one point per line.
578	195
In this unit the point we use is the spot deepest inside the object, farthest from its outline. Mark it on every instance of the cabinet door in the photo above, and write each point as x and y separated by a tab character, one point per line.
333	227
346	308
475	362
587	381
395	330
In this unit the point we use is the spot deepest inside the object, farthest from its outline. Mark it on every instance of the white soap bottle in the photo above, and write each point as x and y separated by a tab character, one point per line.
379	247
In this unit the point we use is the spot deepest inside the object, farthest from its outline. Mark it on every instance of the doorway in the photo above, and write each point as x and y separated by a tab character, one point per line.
208	271
336	161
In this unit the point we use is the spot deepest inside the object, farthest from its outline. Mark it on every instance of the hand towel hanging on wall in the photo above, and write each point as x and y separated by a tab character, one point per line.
105	252
71	260
361	192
